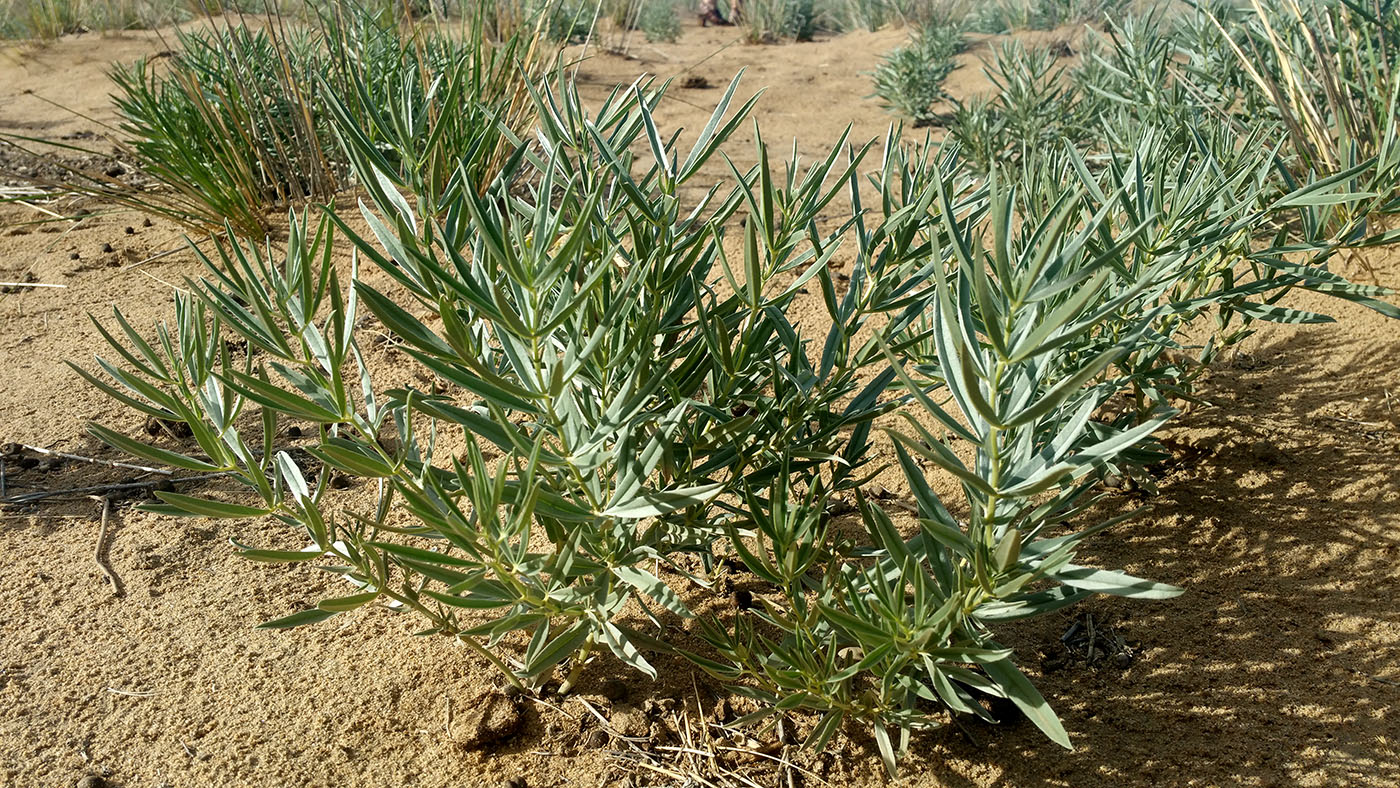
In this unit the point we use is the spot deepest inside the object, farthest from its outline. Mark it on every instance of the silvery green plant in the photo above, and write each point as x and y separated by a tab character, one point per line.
1038	321
1033	110
617	401
659	20
910	79
610	373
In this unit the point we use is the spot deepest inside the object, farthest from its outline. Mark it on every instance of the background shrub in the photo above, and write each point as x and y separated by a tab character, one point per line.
910	79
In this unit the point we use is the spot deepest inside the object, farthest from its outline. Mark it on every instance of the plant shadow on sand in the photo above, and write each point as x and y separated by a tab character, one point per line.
1278	518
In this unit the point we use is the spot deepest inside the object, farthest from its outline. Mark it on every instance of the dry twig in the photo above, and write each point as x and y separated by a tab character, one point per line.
99	550
108	463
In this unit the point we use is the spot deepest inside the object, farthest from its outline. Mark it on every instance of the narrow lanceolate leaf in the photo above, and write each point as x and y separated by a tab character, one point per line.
346	456
1028	699
280	556
654	503
312	616
558	649
471	601
1105	581
279	399
398	320
346	603
203	507
625	650
652	586
147	452
1280	314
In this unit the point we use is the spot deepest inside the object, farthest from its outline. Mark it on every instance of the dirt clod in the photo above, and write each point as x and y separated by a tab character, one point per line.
628	720
488	719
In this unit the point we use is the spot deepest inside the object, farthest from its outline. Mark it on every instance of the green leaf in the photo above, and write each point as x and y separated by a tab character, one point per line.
654	503
313	616
149	453
279	399
558	649
1280	314
654	587
346	603
1105	581
204	507
625	651
1028	699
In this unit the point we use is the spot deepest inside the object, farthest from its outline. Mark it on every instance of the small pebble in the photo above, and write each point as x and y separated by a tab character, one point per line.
130	230
92	781
74	256
107	248
146	222
115	170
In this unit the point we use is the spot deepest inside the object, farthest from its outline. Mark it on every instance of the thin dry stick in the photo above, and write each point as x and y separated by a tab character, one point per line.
99	549
108	463
159	255
105	488
32	284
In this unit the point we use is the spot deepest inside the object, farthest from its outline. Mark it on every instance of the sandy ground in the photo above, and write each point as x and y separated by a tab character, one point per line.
1279	516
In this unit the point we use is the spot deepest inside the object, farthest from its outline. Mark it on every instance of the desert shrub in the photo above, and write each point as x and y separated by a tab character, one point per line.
46	19
1033	109
859	14
1252	68
1005	16
910	79
770	21
231	126
564	22
616	406
1328	72
416	108
659	21
241	121
1126	81
618	392
840	15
